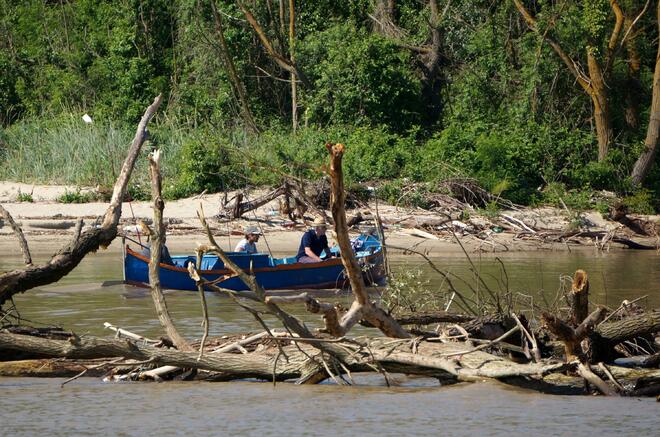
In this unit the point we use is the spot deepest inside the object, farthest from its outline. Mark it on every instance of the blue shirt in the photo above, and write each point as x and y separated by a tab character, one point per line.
314	242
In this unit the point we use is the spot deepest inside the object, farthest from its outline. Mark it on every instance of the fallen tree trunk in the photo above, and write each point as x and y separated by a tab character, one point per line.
242	366
630	327
51	368
565	236
358	356
609	334
302	360
20	280
429	317
237	208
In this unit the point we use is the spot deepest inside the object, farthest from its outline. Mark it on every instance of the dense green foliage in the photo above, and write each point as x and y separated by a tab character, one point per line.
498	105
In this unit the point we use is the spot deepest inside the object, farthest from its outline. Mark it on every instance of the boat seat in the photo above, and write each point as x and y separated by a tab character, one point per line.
280	261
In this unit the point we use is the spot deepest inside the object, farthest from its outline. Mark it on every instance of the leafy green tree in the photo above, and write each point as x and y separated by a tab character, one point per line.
359	77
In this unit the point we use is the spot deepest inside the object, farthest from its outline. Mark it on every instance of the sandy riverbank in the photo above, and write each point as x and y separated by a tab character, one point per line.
45	221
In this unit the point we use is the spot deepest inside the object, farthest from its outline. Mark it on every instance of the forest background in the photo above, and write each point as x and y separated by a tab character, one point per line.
540	101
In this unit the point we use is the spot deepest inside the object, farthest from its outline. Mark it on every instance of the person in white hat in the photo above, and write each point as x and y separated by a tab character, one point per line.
248	244
313	243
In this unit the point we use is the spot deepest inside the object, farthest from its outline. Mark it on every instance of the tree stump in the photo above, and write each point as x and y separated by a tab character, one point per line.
578	298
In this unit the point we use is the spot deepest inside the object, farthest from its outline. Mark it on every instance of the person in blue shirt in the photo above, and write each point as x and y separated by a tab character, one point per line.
313	243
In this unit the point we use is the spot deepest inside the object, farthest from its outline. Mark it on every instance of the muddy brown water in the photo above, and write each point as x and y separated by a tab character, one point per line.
88	297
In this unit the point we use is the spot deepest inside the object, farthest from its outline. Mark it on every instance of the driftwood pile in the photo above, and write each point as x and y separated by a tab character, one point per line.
452	211
449	347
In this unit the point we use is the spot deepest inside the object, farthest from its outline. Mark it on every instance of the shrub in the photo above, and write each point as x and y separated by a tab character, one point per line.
24	197
492	209
409	291
556	193
205	165
640	202
139	191
76	197
373	153
359	78
390	192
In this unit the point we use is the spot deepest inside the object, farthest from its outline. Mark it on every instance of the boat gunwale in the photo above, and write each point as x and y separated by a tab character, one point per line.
280	267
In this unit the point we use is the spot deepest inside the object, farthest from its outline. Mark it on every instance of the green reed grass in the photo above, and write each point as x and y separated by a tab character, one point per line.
66	150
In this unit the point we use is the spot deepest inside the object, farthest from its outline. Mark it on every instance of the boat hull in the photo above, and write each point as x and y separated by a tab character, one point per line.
323	275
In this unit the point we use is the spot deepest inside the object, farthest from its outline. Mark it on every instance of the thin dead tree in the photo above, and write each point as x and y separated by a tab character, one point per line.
157	240
19	235
362	307
337	322
280	60
292	45
647	157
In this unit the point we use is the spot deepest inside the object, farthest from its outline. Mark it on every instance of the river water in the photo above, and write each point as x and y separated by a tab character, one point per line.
89	296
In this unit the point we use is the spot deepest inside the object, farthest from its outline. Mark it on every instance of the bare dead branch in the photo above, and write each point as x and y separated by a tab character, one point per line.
154	264
67	258
19	235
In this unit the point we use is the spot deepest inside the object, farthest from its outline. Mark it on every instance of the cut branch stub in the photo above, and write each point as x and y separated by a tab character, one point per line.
361	308
572	338
579	297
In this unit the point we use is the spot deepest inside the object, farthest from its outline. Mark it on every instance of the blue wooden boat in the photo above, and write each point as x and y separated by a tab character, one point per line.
271	273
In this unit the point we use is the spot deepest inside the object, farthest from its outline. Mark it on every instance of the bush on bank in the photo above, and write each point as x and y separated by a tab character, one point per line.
65	150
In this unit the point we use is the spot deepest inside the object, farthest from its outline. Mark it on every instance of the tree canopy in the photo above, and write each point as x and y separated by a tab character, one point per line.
519	94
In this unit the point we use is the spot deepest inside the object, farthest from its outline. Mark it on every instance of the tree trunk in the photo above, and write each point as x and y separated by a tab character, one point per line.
609	334
361	308
431	84
236	82
594	85
647	158
271	364
51	368
633	84
238	207
157	241
578	298
292	44
598	93
630	327
280	60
